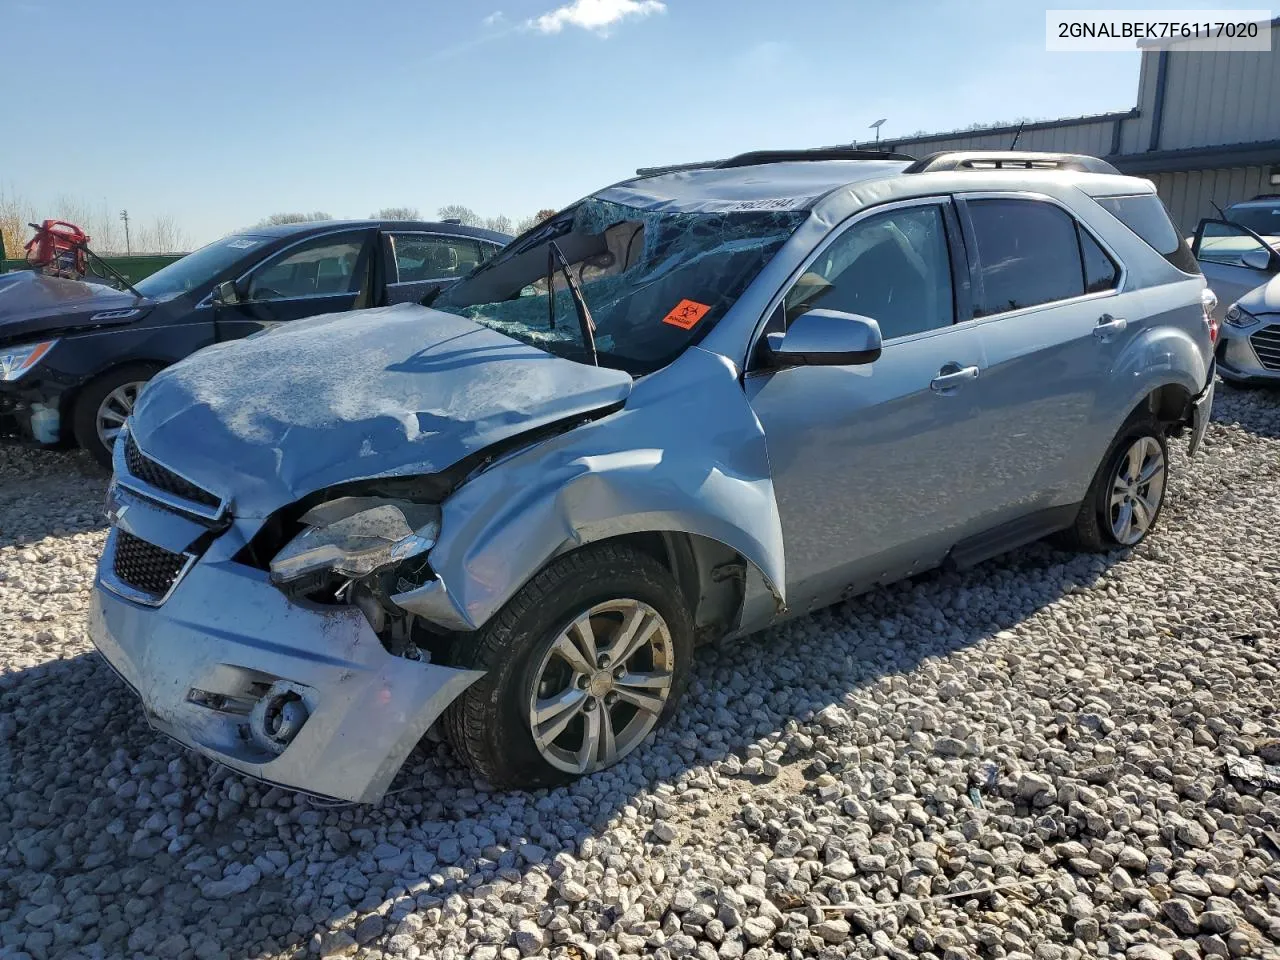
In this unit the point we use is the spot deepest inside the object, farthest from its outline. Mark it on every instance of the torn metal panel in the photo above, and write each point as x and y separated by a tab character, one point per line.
630	472
398	391
201	667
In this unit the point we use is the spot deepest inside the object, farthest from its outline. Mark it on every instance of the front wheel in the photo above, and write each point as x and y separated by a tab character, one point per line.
582	664
1127	492
104	405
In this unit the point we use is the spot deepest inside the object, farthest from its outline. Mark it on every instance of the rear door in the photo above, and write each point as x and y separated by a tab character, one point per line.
329	273
1234	260
876	466
1053	319
415	261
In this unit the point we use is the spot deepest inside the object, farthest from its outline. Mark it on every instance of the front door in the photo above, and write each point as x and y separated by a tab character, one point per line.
325	274
874	466
1234	260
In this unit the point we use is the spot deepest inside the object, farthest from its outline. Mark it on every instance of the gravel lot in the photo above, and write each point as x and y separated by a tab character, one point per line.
1055	726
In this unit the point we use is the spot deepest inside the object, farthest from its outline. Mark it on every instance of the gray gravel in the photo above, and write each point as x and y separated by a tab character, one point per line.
1049	725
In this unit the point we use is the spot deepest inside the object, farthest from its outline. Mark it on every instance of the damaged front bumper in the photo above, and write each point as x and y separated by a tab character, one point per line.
300	695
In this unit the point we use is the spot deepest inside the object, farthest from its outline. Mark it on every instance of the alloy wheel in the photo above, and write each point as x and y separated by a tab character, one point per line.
601	686
115	409
1137	490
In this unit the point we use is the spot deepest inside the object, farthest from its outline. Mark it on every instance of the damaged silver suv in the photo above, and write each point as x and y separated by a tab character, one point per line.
686	408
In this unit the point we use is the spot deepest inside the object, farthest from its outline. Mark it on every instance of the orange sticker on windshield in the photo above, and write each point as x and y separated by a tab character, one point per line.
686	314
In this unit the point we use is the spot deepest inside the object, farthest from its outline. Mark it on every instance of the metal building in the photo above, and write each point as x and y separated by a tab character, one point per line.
1206	129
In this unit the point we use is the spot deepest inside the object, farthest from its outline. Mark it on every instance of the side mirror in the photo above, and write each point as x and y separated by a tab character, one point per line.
1256	259
825	338
226	293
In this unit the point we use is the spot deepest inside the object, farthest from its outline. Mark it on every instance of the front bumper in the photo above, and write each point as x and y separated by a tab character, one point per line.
224	639
1250	355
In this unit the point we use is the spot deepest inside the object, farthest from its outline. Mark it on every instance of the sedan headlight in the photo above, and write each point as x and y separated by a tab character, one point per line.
356	536
1238	317
16	361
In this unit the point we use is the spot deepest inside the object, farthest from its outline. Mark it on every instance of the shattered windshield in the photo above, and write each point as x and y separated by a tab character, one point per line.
655	282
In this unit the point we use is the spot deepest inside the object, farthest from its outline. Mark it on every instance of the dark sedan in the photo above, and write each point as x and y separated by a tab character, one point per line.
74	355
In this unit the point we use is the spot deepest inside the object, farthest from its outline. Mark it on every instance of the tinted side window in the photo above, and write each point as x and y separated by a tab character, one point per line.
893	267
325	265
1100	271
1028	254
425	257
1147	216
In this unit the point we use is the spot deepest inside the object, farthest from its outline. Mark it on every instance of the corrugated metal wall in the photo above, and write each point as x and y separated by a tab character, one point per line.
1191	195
1217	99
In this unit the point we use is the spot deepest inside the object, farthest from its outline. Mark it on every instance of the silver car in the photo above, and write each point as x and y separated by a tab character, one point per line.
684	409
1249	350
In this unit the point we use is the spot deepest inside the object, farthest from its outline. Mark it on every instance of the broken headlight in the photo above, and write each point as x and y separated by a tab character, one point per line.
353	537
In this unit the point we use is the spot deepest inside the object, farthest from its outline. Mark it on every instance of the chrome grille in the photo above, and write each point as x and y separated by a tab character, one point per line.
148	471
144	566
1266	344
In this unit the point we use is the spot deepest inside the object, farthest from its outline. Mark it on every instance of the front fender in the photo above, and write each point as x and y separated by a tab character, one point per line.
686	453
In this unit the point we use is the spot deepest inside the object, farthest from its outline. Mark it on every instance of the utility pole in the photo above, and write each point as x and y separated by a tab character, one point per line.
124	215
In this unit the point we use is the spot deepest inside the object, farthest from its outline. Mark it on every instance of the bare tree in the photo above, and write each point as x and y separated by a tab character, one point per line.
278	218
167	236
499	224
396	213
15	213
464	215
531	221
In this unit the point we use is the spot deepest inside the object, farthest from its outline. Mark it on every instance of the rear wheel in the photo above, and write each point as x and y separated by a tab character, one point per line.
104	405
582	665
1127	492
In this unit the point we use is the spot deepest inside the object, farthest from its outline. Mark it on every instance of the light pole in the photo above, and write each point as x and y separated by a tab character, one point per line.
124	215
876	127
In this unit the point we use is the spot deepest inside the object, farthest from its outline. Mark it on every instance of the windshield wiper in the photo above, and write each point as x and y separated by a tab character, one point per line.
585	322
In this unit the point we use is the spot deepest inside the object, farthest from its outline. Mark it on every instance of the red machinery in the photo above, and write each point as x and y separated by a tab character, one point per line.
59	248
62	250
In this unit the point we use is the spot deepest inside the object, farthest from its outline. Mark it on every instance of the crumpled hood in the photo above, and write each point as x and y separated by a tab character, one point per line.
396	391
1263	299
32	304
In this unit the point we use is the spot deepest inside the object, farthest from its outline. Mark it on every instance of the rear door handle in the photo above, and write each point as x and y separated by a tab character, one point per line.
952	376
1107	325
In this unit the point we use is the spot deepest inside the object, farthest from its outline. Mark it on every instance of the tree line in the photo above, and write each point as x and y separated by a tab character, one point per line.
451	211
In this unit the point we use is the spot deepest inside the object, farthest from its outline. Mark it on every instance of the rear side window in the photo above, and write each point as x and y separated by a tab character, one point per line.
1145	215
1100	271
1028	253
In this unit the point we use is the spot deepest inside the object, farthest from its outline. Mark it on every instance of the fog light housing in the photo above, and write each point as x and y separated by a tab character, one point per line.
279	716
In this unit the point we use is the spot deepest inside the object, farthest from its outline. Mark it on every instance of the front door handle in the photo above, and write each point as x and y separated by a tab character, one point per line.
1107	325
952	376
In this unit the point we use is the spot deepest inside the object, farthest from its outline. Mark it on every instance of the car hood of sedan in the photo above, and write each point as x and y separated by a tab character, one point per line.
32	304
1264	299
396	391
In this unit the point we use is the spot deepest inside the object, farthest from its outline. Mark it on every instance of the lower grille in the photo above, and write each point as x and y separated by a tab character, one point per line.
1266	344
144	566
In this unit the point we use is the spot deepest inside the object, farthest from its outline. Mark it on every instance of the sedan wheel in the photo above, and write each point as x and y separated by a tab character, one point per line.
601	686
1137	490
115	409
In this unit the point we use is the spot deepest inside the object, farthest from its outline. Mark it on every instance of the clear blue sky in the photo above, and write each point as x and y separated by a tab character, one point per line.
221	113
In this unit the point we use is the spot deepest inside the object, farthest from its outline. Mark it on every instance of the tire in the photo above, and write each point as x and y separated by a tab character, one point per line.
491	725
1096	525
84	416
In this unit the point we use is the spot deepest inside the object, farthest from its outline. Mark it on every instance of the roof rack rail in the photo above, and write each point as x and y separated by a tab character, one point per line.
1008	160
756	157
